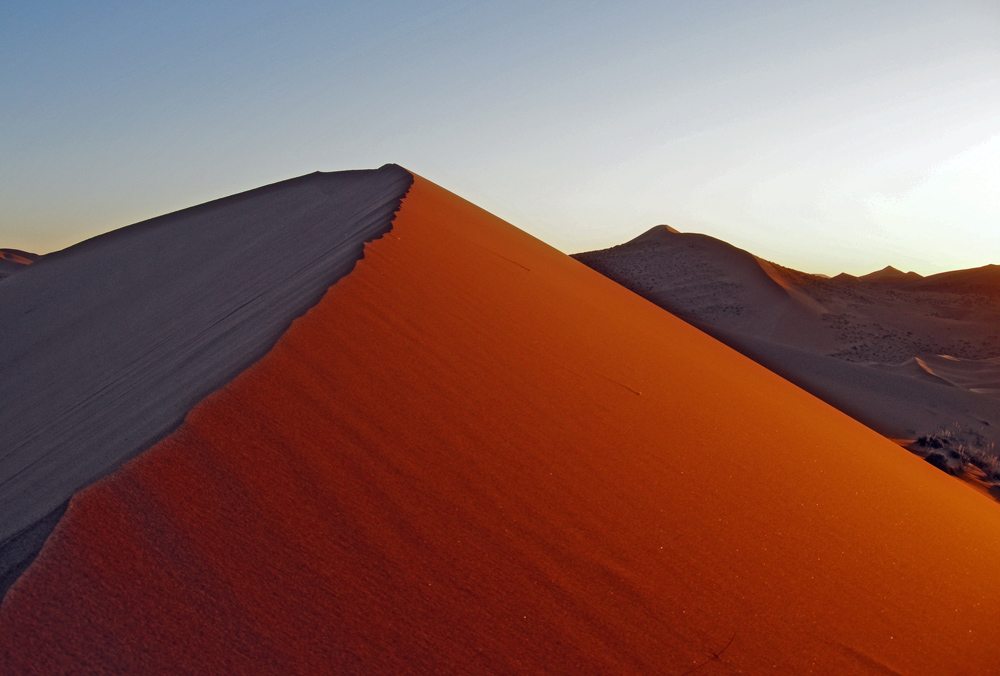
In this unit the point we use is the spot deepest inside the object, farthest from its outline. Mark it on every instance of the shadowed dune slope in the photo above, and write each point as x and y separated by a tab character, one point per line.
17	256
805	327
700	277
899	401
14	260
981	376
8	268
106	345
982	281
476	455
887	316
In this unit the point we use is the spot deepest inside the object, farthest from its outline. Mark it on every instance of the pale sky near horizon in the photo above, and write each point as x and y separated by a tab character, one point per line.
825	136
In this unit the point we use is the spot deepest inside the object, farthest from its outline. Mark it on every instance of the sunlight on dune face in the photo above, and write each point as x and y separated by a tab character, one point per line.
476	455
14	258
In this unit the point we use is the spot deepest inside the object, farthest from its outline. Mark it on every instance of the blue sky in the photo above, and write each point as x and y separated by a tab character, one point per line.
825	136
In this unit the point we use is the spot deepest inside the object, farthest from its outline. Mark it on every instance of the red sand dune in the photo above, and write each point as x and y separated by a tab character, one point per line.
106	345
476	455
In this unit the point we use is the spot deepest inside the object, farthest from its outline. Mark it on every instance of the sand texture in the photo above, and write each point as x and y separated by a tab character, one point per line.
476	456
981	376
892	399
885	324
106	345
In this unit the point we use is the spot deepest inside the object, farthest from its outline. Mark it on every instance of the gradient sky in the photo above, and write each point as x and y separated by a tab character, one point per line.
825	136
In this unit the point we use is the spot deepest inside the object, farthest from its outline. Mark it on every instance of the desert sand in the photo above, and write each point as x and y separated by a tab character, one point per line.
907	355
18	256
105	346
14	260
476	455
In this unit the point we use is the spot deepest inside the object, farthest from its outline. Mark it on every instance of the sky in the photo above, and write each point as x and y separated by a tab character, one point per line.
824	136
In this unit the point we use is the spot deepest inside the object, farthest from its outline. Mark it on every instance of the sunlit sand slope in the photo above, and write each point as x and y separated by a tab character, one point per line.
105	346
476	455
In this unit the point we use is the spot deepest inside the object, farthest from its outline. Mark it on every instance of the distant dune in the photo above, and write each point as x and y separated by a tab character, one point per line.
984	281
890	274
18	256
477	456
976	375
14	260
805	327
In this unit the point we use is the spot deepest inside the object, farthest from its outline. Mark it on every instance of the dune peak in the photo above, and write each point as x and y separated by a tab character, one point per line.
470	454
890	273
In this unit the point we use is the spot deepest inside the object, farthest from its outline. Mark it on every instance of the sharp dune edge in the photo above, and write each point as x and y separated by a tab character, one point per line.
13	261
475	455
105	346
15	256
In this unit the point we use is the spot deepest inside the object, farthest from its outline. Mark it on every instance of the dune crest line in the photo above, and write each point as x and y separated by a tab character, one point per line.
434	471
105	346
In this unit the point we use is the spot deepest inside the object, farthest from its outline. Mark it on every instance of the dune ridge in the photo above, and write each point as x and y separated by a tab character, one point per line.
475	455
889	273
17	256
981	376
13	261
106	345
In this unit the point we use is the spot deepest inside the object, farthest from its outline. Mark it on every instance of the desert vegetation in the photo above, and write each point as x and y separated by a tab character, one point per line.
961	451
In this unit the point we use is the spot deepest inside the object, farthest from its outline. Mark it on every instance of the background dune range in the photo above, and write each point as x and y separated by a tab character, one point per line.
14	260
908	356
476	455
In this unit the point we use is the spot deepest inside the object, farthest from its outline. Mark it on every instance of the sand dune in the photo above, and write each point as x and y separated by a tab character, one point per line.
475	455
883	321
14	260
17	256
890	274
106	345
976	375
892	399
984	281
704	278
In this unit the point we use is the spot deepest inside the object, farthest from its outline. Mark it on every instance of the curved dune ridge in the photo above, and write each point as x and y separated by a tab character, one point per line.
105	346
476	455
13	261
700	277
976	375
889	273
15	256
